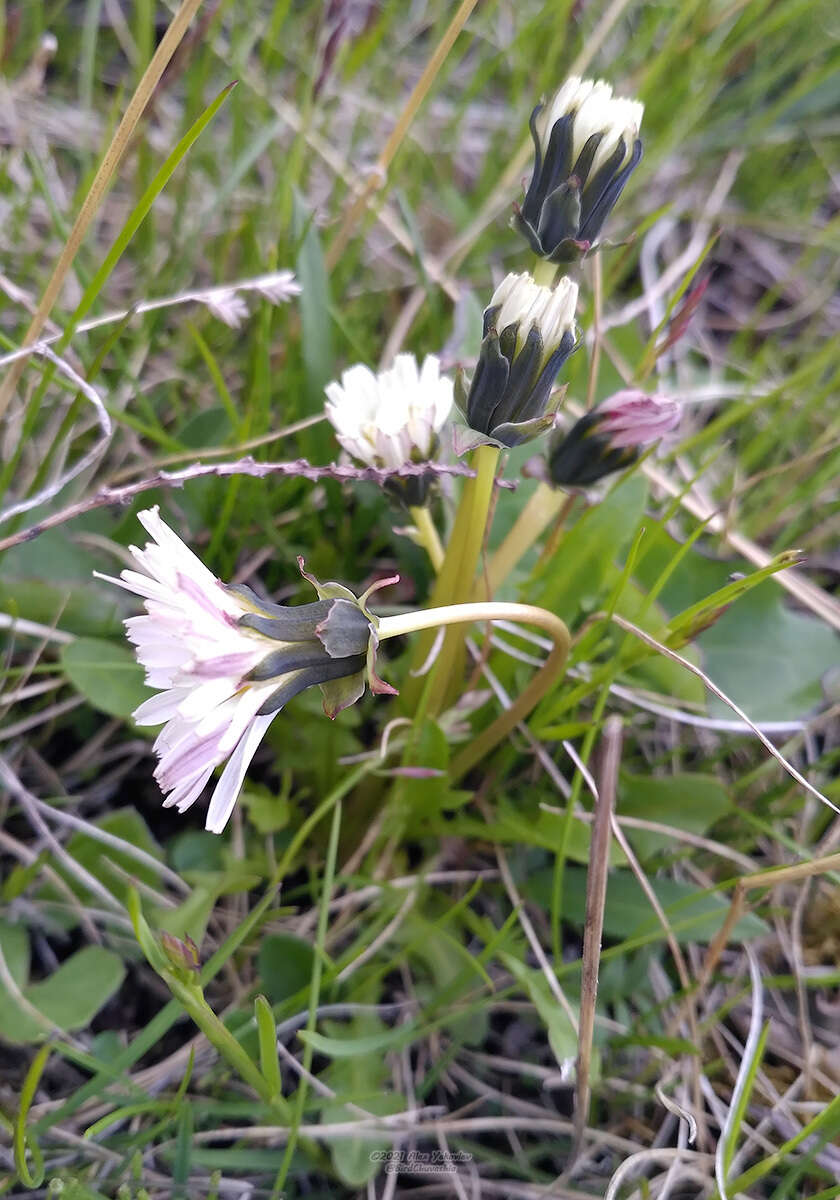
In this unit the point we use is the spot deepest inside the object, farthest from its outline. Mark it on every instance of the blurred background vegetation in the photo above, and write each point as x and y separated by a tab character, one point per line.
429	944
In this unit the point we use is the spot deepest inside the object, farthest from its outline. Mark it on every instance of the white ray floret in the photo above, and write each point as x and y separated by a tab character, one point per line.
596	110
393	417
524	301
198	656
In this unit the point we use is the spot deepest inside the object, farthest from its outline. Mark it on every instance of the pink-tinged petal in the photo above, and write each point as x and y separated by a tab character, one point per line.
187	793
158	654
205	697
235	665
632	418
187	760
201	596
228	788
172	733
195	652
186	780
173	550
160	708
141	585
247	705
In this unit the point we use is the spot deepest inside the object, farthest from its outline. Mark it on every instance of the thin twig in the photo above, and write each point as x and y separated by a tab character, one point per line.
299	468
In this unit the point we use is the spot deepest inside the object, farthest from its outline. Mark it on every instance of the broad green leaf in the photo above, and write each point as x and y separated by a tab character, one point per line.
14	940
285	965
50	580
210	427
190	917
359	1159
268	811
769	659
690	802
575	578
69	998
20	877
518	826
73	994
451	970
427	796
107	675
96	857
363	1081
106	1046
561	1034
694	917
377	1043
656	672
196	850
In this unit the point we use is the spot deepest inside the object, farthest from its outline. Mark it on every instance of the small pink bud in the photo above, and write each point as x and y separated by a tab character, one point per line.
632	418
609	437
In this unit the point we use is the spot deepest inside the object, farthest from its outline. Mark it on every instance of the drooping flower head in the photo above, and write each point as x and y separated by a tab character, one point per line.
610	437
393	417
587	145
529	332
225	662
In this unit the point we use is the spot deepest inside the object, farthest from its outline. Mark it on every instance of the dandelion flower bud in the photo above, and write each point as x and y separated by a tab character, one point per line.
586	145
610	437
393	417
225	662
529	332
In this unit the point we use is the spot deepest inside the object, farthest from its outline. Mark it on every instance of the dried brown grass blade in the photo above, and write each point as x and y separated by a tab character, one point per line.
593	929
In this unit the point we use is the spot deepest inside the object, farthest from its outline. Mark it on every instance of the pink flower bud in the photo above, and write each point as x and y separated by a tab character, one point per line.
632	418
610	437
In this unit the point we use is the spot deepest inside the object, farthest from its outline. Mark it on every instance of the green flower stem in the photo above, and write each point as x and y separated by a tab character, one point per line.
455	578
546	677
448	670
191	999
314	993
185	986
544	272
428	534
545	504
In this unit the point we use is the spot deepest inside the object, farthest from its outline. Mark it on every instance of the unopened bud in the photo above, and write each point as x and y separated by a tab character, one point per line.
610	437
529	332
182	955
586	147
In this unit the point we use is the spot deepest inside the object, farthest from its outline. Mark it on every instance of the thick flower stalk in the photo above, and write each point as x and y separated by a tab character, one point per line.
225	662
529	332
610	437
392	418
586	144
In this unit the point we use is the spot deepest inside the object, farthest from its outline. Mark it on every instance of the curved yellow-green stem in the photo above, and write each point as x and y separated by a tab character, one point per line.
428	535
454	582
544	505
548	674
